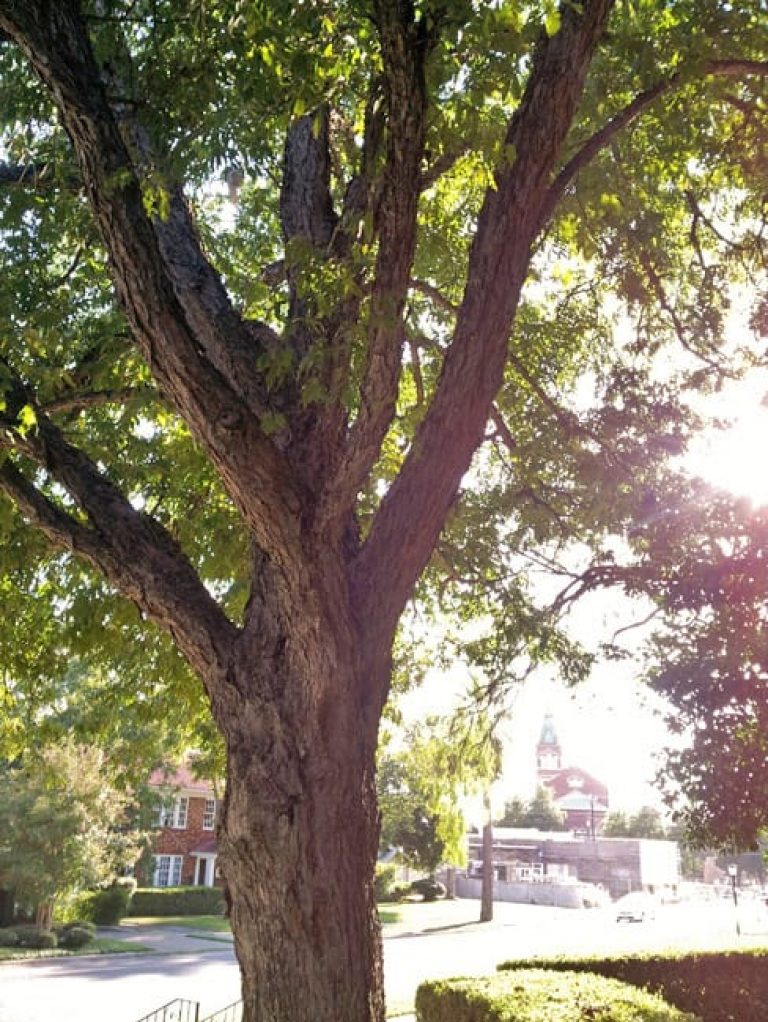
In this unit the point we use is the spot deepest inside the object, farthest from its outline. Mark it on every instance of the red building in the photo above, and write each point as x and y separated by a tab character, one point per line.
578	794
185	844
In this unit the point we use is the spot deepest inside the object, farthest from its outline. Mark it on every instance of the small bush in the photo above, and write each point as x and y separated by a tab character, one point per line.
8	938
429	889
34	937
536	995
75	937
110	904
177	901
81	924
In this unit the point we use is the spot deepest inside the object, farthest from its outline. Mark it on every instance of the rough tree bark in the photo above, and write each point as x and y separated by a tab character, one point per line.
297	690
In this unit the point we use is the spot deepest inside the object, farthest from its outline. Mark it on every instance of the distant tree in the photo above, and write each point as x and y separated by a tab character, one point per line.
616	825
419	803
713	657
540	812
645	823
409	821
63	826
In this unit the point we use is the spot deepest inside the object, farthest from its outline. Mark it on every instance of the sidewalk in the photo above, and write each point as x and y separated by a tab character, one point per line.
167	940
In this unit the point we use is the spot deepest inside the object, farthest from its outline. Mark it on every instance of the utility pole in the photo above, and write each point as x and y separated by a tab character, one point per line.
486	895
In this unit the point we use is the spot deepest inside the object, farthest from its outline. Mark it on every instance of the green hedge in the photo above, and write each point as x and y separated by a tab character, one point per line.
105	907
727	986
177	901
538	995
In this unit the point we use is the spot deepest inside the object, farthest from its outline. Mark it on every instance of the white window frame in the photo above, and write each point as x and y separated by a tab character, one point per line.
167	867
209	814
180	813
174	814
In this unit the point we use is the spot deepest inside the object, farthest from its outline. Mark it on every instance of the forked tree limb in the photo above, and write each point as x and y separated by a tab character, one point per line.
405	42
411	515
134	552
253	471
734	68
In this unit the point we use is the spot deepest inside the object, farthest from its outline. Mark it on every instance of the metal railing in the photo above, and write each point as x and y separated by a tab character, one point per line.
175	1011
232	1013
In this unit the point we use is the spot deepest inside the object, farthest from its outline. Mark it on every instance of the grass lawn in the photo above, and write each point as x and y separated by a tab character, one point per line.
213	924
389	914
100	946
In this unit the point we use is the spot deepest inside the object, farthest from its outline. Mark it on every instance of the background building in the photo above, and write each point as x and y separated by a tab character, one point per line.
580	796
184	846
617	865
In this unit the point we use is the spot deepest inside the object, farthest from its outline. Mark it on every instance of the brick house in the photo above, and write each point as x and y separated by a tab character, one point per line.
184	847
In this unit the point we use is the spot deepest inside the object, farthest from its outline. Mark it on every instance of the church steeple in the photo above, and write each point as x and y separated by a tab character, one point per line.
548	751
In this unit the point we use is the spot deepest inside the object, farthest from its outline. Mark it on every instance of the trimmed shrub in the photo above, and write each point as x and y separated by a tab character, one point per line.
110	904
82	924
726	986
429	889
75	937
8	938
538	995
177	901
34	937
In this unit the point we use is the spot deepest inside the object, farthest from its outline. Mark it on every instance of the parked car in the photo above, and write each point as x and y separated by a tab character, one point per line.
635	908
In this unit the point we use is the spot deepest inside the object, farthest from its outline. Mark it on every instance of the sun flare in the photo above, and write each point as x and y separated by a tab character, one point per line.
734	458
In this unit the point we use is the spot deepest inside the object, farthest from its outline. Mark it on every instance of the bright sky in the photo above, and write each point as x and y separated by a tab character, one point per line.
735	458
611	726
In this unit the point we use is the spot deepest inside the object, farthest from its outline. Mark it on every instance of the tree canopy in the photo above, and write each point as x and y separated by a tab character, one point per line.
63	826
306	308
539	812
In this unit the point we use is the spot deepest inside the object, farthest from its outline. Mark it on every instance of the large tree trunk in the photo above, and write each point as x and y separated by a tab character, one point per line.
298	834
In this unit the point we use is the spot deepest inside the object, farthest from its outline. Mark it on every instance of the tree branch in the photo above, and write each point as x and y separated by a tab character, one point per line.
641	102
442	165
97	398
405	43
412	513
254	473
133	552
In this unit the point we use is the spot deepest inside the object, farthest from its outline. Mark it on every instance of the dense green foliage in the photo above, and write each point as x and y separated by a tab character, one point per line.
710	662
727	986
645	823
63	826
534	995
177	901
420	784
387	887
105	906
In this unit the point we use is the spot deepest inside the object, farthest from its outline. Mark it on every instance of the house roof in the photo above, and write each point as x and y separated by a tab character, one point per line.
207	846
578	800
181	777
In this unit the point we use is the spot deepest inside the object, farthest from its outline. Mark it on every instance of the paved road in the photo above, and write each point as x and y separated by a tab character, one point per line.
124	987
